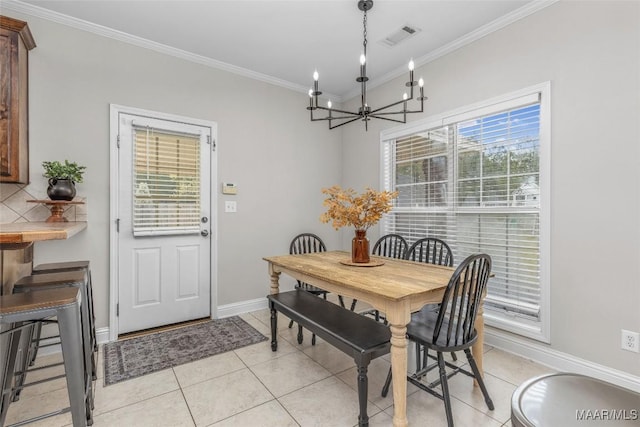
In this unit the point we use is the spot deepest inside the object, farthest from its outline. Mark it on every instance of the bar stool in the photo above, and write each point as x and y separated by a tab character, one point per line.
59	267
39	283
17	313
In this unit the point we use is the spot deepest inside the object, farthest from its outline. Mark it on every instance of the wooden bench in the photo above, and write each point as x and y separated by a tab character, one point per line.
362	338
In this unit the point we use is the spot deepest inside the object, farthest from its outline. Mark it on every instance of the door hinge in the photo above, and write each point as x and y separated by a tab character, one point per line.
118	309
118	225
118	141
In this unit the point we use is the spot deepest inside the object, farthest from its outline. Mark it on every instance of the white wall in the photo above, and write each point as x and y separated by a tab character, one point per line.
267	146
590	51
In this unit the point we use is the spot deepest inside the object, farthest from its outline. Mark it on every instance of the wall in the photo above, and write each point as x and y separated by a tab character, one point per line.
266	145
590	51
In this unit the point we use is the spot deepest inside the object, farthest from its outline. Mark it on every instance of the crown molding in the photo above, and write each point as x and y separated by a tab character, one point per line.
80	24
468	38
39	12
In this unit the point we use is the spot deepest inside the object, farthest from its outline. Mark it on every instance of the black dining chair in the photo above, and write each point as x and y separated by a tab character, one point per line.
389	246
305	243
430	250
452	328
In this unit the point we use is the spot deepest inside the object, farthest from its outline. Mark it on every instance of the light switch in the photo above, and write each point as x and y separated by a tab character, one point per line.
230	206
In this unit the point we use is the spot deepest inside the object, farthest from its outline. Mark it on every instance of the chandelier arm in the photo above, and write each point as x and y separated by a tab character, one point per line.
390	105
391	113
386	113
315	119
351	113
410	98
387	118
342	124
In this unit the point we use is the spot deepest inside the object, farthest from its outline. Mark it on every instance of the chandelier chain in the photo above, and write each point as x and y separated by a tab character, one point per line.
364	32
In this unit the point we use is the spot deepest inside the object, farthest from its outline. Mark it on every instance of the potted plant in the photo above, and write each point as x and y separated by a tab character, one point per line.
347	208
62	179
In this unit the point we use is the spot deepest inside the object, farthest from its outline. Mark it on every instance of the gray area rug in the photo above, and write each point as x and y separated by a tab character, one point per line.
143	355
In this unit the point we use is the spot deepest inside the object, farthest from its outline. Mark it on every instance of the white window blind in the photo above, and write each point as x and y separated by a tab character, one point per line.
166	182
473	180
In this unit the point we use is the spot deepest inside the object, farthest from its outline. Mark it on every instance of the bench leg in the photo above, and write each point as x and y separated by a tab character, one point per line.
274	328
363	388
300	334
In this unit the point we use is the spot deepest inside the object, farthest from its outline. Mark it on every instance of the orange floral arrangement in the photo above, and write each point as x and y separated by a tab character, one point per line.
346	207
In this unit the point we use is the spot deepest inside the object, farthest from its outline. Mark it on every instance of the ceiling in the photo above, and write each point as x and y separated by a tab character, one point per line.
285	41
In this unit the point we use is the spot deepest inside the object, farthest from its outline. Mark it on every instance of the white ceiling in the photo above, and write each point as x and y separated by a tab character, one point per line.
285	41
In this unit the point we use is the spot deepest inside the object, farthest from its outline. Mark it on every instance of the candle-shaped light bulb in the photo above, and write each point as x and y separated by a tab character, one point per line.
405	96
315	75
421	82
310	93
329	104
411	65
363	59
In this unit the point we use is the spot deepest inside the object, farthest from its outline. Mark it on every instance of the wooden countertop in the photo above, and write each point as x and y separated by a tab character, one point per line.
23	233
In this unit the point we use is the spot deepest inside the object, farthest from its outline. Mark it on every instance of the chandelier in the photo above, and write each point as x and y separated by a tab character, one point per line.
337	117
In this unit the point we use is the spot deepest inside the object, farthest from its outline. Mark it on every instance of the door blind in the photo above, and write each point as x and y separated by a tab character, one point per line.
166	182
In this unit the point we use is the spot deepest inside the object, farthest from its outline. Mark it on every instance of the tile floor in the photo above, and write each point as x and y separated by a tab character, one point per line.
299	385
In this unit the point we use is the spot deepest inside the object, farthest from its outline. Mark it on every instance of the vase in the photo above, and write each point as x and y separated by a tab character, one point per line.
360	247
61	189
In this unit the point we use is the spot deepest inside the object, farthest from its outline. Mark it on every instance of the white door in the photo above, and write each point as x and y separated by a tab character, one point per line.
164	202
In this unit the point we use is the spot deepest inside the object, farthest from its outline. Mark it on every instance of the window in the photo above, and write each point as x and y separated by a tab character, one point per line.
166	182
477	178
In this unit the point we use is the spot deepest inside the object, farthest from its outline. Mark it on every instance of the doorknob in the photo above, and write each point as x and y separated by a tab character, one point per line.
204	233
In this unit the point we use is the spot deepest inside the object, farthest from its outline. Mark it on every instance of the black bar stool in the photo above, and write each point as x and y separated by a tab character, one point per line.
17	314
38	283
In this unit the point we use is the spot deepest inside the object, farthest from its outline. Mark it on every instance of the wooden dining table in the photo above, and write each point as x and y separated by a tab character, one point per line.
396	287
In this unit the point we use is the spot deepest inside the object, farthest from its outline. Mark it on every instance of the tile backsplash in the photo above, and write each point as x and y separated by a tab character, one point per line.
14	205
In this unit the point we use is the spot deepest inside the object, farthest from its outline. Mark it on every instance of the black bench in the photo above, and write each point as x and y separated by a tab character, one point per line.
362	338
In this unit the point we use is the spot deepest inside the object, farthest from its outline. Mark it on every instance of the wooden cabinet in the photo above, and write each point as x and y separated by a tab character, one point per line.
15	43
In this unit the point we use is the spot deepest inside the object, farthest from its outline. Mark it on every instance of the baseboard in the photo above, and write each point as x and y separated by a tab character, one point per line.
242	307
559	360
102	335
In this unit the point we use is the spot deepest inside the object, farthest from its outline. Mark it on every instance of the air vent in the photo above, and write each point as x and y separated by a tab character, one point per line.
400	35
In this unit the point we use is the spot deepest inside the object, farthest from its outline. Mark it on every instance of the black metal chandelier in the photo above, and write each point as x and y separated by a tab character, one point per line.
337	117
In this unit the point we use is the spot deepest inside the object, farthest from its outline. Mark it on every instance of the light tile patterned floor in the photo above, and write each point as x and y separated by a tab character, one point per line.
299	385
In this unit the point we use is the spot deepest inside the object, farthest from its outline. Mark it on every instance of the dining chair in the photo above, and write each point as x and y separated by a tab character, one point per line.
430	250
389	246
452	328
305	243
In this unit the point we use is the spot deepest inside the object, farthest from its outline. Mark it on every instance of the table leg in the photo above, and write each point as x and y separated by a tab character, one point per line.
478	348
398	320
275	280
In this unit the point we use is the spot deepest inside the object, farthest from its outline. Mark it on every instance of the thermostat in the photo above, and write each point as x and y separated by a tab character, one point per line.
229	188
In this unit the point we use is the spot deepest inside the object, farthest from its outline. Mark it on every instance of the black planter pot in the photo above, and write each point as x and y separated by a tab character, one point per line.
61	189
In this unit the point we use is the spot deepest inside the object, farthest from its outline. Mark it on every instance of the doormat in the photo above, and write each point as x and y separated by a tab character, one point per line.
143	355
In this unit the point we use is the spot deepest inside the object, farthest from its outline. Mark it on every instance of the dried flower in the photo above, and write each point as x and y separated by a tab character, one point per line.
346	207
